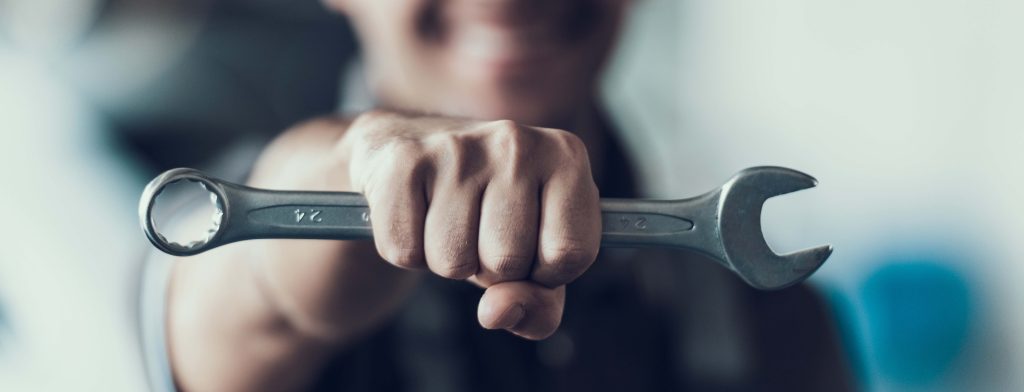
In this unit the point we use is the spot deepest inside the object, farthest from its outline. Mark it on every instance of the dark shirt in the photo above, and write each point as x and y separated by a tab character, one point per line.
638	320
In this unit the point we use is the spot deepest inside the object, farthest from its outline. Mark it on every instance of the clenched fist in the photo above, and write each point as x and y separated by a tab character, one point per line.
496	201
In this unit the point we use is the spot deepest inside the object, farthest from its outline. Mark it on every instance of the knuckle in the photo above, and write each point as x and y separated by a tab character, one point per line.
504	128
460	269
403	149
571	146
403	162
447	142
407	258
365	129
448	256
451	148
383	184
512	143
510	267
567	261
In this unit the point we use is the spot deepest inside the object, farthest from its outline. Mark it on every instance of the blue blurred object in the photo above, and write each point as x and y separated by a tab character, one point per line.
917	311
846	316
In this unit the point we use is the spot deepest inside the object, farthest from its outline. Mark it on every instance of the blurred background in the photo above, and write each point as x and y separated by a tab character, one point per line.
910	113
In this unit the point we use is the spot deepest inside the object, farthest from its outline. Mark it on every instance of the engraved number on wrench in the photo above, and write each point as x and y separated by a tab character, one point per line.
635	223
314	216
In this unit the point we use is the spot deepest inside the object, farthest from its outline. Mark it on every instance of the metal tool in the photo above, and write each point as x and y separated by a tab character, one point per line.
724	224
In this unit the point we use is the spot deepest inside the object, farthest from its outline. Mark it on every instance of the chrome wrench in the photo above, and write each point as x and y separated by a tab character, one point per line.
724	224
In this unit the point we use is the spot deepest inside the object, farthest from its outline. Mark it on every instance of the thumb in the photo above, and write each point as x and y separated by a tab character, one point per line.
527	309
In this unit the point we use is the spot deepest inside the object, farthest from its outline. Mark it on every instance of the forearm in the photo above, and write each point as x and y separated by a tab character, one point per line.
264	315
224	333
241	319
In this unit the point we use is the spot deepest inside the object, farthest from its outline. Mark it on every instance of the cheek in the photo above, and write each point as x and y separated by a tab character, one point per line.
392	17
402	28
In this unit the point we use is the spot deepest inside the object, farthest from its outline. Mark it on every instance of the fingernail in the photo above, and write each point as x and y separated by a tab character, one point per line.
512	316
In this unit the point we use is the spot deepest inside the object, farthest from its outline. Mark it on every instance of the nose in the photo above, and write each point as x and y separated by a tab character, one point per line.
509	12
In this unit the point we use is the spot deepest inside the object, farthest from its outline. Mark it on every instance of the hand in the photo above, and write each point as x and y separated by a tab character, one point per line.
512	208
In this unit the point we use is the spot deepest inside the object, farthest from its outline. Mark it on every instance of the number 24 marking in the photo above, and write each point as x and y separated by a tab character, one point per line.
314	216
639	223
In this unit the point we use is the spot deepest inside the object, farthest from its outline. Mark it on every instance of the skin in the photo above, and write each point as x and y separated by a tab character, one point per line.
468	192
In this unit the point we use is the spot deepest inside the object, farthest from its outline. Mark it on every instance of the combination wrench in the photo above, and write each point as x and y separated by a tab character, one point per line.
723	224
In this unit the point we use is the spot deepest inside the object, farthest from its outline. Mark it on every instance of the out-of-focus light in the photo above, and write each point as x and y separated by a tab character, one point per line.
67	264
46	26
918	312
5	329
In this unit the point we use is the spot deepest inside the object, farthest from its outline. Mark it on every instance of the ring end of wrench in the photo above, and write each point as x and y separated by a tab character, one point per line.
148	200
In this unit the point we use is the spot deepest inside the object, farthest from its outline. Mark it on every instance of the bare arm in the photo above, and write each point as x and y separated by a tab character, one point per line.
512	208
264	315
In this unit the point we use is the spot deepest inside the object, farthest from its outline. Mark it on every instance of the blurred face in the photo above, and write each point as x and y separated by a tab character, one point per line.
533	61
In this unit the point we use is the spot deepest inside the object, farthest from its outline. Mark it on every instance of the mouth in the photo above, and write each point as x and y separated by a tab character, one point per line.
503	48
508	37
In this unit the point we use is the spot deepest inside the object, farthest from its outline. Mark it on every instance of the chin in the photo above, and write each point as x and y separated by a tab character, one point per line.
534	96
528	112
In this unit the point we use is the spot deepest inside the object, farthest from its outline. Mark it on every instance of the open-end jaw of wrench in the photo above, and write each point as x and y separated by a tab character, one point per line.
724	224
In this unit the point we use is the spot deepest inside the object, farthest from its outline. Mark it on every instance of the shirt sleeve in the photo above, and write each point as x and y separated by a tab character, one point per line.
153	302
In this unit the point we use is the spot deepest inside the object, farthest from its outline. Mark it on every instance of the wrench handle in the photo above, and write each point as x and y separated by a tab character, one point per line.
252	213
633	222
258	213
345	215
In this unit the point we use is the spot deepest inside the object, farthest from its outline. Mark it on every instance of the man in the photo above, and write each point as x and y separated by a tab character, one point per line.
484	162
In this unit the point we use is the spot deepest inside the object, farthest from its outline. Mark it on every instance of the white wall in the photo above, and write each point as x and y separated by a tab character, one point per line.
910	113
